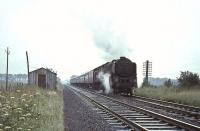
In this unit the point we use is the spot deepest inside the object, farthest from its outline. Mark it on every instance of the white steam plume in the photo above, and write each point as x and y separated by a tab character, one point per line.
104	78
109	39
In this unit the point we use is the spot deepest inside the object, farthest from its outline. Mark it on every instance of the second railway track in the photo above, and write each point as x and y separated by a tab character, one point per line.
189	113
127	117
186	107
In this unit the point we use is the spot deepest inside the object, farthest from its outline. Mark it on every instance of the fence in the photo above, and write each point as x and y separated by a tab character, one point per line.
12	87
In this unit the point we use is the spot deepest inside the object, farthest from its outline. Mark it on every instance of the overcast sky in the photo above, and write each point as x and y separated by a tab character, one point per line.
75	36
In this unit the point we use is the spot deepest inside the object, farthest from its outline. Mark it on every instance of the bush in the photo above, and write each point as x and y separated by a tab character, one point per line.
188	79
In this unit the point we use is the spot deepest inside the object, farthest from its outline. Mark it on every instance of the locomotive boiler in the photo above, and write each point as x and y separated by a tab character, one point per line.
122	76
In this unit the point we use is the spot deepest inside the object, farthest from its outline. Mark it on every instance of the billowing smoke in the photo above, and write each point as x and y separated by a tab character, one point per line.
110	40
104	78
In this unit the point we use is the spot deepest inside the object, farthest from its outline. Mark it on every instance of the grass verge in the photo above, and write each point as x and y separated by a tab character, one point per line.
184	95
31	109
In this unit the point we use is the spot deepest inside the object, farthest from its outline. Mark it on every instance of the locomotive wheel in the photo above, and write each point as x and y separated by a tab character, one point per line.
115	91
131	93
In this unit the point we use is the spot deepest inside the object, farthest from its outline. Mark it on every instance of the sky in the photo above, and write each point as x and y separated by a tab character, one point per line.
73	37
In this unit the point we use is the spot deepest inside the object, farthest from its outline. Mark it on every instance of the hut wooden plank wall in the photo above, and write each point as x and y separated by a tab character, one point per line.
43	78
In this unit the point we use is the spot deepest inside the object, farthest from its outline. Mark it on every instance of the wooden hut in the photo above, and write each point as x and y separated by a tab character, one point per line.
42	77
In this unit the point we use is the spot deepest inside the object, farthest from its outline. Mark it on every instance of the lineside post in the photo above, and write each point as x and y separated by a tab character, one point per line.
7	53
28	67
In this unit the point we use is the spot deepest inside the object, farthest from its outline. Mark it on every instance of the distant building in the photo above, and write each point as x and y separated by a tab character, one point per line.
160	81
42	77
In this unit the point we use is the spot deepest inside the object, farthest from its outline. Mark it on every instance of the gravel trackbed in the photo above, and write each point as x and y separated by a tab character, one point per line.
79	116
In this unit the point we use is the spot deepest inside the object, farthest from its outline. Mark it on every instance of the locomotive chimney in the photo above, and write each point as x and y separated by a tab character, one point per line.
122	57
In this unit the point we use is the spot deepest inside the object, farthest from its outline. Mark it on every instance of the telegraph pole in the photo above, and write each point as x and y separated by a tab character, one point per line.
7	53
28	67
147	70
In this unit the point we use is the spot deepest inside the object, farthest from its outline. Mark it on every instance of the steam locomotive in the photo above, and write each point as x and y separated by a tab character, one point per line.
122	76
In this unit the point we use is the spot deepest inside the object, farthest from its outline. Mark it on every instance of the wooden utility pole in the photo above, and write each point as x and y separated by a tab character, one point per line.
28	67
7	53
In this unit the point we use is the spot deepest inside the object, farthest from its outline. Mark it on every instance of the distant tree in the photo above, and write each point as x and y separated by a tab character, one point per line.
146	84
168	83
188	79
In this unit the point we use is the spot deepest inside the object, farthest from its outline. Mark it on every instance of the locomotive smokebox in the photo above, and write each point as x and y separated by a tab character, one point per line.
124	67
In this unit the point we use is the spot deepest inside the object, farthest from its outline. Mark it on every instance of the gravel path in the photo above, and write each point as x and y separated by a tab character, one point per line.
79	116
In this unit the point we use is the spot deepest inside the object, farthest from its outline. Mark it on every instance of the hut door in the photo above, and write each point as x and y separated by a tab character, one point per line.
42	80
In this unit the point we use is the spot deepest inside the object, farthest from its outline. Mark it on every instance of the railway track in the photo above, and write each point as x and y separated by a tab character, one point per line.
178	111
172	104
190	113
122	116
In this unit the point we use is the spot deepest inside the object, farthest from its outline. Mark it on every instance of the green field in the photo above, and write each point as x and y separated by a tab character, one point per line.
179	95
31	108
